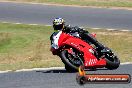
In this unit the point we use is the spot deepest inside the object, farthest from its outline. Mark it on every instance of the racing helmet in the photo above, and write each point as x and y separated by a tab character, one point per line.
58	24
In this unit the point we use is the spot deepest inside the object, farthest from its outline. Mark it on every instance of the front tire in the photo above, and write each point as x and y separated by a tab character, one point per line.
70	69
69	66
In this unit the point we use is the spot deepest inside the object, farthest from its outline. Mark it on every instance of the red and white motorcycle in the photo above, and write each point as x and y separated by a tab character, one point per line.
75	52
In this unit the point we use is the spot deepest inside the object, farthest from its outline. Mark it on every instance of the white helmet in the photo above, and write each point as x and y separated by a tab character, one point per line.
58	23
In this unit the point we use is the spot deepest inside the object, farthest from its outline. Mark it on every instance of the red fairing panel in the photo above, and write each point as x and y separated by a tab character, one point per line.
89	59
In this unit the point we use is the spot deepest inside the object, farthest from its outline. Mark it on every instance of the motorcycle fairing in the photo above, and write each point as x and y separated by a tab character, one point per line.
89	59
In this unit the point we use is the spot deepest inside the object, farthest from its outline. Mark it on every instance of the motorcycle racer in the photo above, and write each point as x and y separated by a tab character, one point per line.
76	46
59	27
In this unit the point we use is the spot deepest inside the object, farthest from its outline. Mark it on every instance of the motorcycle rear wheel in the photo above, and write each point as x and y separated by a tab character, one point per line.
112	64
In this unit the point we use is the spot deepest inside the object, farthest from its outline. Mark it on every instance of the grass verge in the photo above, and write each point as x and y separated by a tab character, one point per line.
100	3
26	46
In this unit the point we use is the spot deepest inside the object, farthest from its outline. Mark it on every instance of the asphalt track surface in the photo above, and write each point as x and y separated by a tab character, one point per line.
81	16
57	79
43	14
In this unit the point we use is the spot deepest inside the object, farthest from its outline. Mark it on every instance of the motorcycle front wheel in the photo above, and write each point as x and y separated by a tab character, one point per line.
72	60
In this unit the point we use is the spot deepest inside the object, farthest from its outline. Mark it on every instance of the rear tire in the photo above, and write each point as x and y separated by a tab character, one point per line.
112	64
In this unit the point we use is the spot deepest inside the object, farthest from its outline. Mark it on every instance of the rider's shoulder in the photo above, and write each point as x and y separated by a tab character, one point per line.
68	27
54	33
71	27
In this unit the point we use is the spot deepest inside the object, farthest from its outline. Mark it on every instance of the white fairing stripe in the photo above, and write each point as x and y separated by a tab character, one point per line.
55	40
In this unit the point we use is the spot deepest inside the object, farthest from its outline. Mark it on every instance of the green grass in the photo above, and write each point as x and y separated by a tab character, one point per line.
24	46
102	3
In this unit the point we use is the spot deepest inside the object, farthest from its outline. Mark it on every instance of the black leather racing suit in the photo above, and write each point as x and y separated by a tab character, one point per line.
80	33
84	35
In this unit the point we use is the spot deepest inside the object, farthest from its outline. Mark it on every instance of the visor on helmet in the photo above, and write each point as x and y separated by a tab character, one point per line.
58	27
